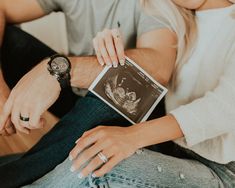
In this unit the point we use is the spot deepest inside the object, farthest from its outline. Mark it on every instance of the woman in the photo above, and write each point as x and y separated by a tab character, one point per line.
200	120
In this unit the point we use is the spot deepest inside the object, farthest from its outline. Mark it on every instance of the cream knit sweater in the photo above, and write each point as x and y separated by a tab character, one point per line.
204	101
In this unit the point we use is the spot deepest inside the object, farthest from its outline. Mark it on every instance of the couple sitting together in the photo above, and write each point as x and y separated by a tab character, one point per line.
188	46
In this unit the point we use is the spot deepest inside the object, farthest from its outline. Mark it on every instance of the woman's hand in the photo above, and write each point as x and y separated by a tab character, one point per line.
109	47
112	143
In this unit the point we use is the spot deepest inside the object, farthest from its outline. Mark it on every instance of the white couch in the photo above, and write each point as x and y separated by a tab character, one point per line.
51	30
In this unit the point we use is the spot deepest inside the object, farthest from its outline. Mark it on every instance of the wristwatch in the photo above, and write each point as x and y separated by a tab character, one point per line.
60	66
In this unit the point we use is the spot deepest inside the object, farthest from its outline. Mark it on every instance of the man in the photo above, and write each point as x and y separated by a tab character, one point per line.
41	87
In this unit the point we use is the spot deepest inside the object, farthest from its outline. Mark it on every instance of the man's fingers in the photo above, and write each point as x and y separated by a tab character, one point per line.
119	46
24	117
6	112
15	118
35	121
10	128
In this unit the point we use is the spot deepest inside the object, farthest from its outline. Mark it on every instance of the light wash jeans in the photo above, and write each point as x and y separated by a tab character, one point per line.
147	169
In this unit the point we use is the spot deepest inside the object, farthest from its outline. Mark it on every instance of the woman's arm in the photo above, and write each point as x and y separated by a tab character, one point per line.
118	143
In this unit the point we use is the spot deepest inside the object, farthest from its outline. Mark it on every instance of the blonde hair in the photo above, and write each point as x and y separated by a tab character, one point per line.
179	20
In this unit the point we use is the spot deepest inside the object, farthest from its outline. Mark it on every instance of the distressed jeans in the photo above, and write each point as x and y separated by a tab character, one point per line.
148	169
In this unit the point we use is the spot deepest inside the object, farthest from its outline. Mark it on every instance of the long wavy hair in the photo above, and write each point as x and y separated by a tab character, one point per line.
179	20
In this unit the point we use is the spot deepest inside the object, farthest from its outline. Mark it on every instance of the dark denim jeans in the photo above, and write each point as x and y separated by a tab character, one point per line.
54	148
20	53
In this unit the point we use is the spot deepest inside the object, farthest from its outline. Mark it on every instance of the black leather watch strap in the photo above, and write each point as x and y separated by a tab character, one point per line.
65	81
63	77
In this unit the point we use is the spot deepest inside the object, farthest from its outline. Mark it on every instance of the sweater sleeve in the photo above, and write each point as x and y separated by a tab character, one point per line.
212	115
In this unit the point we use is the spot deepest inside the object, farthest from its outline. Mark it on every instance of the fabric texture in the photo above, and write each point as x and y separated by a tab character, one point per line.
85	18
147	169
204	102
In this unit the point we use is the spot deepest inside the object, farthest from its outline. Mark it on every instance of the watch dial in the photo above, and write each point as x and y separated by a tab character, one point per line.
60	65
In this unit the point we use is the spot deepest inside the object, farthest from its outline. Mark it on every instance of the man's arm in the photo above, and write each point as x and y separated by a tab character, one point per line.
155	53
14	11
18	11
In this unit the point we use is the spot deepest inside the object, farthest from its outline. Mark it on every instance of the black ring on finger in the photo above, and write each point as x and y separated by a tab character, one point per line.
26	119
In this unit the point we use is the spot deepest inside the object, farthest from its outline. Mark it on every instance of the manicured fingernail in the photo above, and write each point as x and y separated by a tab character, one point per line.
122	62
109	66
115	64
72	169
70	158
109	63
93	175
80	176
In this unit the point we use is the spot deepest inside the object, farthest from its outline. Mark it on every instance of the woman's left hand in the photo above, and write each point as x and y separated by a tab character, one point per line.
95	146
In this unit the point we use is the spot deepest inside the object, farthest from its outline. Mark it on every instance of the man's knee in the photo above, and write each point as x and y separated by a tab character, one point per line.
14	37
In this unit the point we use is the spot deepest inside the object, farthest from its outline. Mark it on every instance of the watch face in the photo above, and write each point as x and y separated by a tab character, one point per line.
60	65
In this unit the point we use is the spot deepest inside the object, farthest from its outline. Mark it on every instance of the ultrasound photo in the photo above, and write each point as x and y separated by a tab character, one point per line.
129	90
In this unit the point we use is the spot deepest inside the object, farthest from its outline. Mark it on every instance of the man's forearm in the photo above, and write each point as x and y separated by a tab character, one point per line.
2	27
86	69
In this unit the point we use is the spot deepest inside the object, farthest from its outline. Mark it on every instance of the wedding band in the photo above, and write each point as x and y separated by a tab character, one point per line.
26	119
102	157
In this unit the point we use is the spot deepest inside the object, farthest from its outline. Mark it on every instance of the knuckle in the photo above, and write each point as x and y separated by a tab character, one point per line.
115	30
106	31
102	133
85	133
109	140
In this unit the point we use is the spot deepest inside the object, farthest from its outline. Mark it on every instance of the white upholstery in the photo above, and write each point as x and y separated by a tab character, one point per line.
51	30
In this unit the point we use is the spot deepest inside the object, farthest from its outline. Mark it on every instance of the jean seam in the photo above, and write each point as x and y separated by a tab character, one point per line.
112	177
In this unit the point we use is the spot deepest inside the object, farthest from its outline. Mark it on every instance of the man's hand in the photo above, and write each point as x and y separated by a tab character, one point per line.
30	98
9	128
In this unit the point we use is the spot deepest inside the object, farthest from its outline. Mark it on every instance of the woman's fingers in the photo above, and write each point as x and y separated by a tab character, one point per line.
97	51
82	144
109	47
109	43
96	162
107	167
103	49
88	154
119	46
